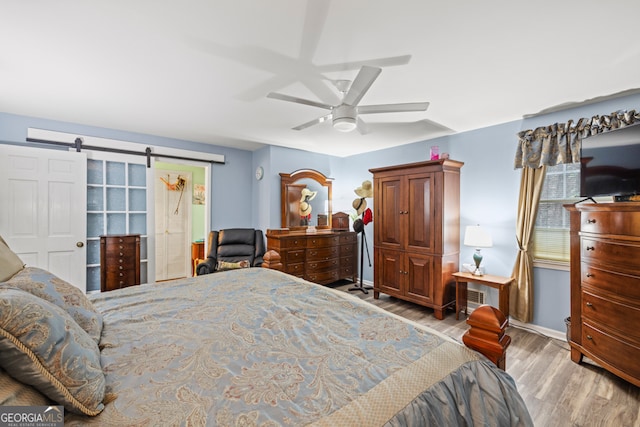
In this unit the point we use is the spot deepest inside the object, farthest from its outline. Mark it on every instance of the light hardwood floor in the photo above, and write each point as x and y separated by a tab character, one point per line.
557	391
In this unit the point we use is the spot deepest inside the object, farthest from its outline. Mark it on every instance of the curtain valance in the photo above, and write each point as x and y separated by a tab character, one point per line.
560	142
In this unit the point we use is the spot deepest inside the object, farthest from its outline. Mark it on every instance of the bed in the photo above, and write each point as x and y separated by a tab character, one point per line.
253	347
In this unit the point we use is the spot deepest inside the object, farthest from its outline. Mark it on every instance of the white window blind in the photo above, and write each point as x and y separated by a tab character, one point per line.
551	233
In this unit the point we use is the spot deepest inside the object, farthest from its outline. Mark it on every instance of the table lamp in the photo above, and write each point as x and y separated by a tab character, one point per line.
478	238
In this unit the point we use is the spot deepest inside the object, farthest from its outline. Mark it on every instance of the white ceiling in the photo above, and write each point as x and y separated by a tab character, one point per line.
201	70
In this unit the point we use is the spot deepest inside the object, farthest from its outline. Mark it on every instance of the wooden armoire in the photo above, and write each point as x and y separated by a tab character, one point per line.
417	232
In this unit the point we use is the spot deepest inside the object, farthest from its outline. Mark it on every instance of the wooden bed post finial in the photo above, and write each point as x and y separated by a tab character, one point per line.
487	334
271	259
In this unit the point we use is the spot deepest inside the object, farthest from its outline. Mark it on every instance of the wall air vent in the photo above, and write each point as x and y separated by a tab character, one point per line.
475	297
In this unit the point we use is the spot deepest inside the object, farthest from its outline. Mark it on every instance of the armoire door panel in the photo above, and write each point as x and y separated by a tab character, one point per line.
420	280
390	213
420	220
390	271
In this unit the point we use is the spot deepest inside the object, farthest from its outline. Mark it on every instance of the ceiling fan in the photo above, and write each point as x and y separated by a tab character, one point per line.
345	116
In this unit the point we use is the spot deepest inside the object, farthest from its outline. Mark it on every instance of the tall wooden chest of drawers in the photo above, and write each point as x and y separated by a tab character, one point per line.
605	286
119	261
321	257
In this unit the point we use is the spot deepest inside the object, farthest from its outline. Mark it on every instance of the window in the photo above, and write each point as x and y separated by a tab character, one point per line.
551	233
116	204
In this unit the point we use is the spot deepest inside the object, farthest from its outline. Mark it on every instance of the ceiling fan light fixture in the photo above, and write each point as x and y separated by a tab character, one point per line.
344	124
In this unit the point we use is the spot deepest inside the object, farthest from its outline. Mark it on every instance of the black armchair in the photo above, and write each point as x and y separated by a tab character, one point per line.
233	245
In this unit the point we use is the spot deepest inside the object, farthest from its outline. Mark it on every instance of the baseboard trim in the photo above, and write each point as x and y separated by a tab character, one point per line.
551	333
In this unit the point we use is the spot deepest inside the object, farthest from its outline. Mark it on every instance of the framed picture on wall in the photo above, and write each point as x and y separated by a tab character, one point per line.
198	194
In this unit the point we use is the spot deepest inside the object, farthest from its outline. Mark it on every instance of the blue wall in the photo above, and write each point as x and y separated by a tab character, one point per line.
489	186
231	196
489	196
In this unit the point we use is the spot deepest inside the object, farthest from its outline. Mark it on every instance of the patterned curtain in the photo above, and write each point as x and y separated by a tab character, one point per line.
547	146
560	142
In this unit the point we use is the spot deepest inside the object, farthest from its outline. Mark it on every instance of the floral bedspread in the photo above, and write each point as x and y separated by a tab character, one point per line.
257	347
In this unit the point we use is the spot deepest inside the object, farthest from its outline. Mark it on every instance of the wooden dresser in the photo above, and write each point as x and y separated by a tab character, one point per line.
321	257
119	261
417	232
605	286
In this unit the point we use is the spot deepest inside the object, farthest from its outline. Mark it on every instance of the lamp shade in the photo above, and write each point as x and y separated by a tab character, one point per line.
477	237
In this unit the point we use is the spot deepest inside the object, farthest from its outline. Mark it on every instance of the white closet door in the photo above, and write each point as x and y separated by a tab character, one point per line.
42	214
173	225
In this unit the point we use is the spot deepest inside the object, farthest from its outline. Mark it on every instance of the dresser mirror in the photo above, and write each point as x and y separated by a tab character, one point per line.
306	199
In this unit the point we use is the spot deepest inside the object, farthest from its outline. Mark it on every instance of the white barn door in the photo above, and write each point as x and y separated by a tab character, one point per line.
43	209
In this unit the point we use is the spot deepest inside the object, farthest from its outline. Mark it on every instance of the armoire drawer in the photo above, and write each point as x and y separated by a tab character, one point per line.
622	319
347	270
619	354
621	286
296	269
348	249
348	260
294	256
348	238
120	279
322	241
315	266
291	243
610	252
613	222
317	254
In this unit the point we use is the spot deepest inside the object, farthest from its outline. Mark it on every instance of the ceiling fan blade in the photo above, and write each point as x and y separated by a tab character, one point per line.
297	100
314	20
393	108
362	126
313	122
361	84
376	62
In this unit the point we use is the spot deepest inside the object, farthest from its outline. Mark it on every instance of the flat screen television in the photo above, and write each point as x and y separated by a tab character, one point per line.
610	164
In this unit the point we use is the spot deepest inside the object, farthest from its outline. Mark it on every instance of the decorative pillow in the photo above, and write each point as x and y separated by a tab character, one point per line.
10	263
47	286
15	393
225	265
42	346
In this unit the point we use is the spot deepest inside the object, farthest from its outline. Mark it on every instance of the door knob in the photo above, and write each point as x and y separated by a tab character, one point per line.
79	244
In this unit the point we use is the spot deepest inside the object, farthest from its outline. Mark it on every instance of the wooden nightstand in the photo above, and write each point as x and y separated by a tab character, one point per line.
496	282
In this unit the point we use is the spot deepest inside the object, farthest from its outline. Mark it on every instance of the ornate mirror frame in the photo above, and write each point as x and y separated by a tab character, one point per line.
290	190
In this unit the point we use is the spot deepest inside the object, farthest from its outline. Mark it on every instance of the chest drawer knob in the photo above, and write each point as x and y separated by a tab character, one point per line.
589	304
590	274
591	221
590	248
589	337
